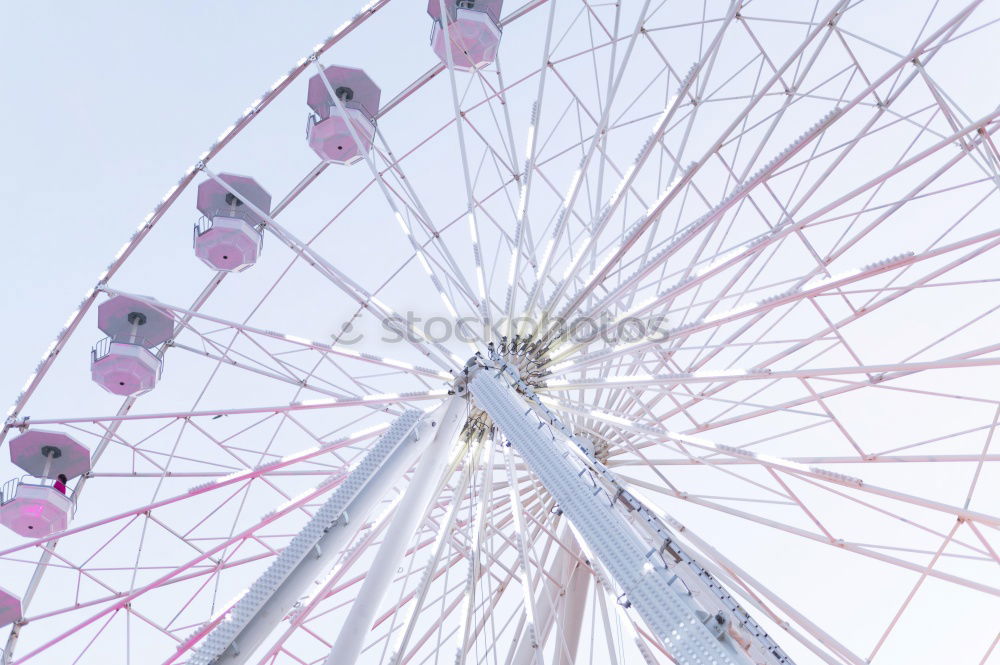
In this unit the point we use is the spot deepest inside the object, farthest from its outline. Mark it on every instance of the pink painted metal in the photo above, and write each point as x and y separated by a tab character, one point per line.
473	32
215	200
10	607
227	243
228	238
328	131
36	510
127	319
124	369
46	454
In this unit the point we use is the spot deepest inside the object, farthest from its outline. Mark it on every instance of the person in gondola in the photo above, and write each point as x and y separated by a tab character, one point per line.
60	483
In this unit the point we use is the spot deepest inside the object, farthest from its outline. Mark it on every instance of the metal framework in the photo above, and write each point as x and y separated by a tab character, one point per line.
639	571
727	273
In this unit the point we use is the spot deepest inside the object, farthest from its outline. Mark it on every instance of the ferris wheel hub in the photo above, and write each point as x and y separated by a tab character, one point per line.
522	356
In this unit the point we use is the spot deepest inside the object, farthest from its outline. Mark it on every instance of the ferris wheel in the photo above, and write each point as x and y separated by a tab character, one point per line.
659	332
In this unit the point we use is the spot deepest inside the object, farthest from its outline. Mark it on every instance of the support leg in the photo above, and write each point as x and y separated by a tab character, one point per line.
314	549
409	515
638	570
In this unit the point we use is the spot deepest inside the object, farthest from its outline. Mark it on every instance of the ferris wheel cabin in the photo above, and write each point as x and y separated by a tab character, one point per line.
342	131
473	32
10	607
34	505
124	362
229	237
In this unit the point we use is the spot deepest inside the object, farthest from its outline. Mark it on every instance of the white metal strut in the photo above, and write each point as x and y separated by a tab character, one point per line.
314	549
410	514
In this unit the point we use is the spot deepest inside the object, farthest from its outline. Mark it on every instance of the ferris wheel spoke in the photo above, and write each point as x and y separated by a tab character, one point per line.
913	591
573	190
378	176
524	195
846	386
674	189
840	544
749	250
858	312
339	350
825	460
747	186
974	552
869	308
484	303
204	571
295	380
790	297
357	293
239	476
750	586
362	400
785	465
683	332
453	273
609	82
634	170
710	376
989	158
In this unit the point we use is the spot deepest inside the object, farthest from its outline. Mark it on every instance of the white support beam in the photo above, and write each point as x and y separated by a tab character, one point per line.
575	590
638	569
441	541
317	545
530	633
754	644
410	513
561	601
